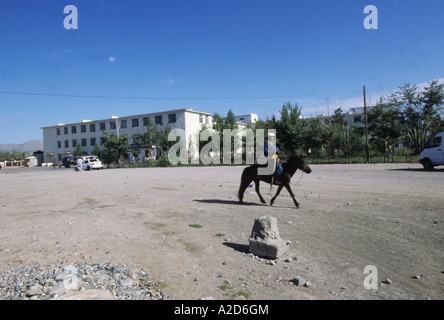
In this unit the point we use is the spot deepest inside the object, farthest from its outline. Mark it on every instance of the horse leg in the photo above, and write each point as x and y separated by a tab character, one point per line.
245	182
242	188
275	196
256	183
292	195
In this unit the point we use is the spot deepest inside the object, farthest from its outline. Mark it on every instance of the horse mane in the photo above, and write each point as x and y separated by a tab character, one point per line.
291	164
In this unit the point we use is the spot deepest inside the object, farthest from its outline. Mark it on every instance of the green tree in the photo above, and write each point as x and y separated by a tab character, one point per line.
96	151
162	140
333	134
78	150
13	155
148	138
432	99
384	126
154	136
344	136
420	113
356	140
115	147
314	136
289	129
230	121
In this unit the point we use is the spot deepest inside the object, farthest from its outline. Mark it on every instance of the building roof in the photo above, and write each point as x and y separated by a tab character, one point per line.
130	116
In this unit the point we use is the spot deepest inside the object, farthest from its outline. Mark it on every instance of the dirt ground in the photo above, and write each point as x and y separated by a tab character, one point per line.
389	216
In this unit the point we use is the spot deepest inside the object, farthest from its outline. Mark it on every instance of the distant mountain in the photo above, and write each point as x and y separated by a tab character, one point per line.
31	146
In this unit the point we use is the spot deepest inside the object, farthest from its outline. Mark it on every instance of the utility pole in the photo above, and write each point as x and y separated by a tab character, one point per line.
367	157
328	112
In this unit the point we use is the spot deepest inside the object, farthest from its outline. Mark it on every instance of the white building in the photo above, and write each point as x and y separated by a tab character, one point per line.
355	116
248	118
60	140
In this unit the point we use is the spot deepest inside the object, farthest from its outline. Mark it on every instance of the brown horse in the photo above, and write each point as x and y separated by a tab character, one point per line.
251	174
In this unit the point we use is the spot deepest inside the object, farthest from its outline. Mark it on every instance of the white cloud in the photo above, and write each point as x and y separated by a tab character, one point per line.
112	59
20	115
170	82
313	108
422	86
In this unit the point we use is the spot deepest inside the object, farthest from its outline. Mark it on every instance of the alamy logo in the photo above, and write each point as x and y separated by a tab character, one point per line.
371	21
70	280
71	21
187	149
371	281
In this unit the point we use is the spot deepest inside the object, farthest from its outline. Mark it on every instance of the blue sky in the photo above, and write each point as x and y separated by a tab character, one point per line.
251	56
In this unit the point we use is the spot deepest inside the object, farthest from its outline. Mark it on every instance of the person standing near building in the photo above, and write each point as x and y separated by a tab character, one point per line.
80	164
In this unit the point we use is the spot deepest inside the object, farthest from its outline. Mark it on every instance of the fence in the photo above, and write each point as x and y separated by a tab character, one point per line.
398	158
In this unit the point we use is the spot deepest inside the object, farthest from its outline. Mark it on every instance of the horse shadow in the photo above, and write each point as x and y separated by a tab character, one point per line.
220	201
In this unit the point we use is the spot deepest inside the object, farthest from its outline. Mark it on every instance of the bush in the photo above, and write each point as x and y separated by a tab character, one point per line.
163	161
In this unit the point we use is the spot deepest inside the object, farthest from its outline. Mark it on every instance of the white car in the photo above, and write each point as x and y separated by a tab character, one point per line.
433	154
90	162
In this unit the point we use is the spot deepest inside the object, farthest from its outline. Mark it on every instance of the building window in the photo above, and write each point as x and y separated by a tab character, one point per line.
65	130
172	118
201	119
74	143
59	144
158	120
92	127
92	141
123	124
66	144
135	122
145	121
83	142
83	128
357	119
102	126
112	125
73	129
58	131
102	141
59	156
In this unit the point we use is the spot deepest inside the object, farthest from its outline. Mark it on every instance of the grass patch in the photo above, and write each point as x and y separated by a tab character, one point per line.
225	286
198	226
220	234
242	293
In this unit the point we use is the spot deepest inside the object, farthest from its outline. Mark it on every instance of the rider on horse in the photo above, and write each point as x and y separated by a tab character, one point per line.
271	151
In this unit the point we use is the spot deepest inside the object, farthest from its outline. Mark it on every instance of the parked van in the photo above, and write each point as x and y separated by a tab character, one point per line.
433	154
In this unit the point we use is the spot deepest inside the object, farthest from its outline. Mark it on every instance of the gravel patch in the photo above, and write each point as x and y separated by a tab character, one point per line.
53	281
